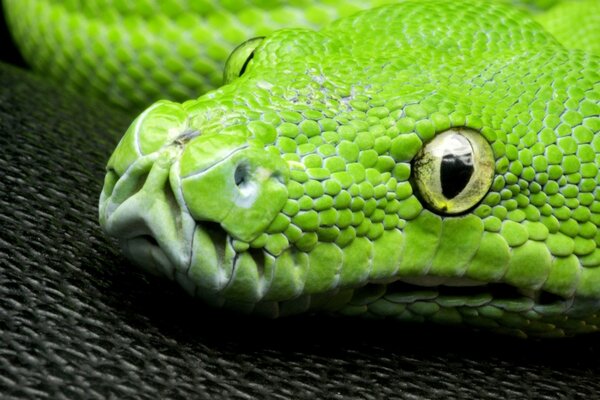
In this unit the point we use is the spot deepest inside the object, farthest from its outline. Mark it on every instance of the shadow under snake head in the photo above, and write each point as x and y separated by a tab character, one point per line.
428	161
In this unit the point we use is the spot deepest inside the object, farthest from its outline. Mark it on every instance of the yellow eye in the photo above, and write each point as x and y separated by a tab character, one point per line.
454	171
239	59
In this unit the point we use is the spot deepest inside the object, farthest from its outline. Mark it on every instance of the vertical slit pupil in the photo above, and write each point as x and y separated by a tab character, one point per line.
250	57
239	175
456	167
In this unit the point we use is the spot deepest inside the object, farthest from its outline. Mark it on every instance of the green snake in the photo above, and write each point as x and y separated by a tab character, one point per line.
424	160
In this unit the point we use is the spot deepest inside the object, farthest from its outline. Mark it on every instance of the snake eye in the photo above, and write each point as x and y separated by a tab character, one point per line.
454	171
240	57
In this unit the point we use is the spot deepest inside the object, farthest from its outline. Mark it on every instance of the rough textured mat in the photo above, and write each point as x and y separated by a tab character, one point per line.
78	321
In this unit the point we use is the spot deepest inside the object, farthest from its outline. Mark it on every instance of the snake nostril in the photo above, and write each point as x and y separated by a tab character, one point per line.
241	175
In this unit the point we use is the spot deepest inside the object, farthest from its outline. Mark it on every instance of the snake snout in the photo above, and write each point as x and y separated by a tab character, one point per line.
143	210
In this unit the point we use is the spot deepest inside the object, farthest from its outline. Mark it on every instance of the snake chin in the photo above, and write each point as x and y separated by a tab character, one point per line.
429	281
444	287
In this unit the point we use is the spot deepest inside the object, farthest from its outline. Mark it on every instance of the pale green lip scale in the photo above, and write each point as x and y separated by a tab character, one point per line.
424	161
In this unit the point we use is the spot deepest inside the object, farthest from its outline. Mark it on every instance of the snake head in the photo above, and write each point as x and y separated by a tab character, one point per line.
429	161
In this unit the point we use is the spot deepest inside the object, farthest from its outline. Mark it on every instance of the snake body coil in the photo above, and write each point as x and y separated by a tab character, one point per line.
132	53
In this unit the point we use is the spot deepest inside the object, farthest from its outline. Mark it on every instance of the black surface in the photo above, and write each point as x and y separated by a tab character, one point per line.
77	321
8	50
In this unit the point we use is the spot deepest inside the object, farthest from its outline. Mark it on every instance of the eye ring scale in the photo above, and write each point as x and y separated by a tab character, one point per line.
239	59
454	171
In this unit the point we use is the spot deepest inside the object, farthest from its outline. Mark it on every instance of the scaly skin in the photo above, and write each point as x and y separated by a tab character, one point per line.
299	185
135	52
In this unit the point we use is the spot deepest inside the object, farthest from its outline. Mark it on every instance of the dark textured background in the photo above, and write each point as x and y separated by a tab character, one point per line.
78	321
